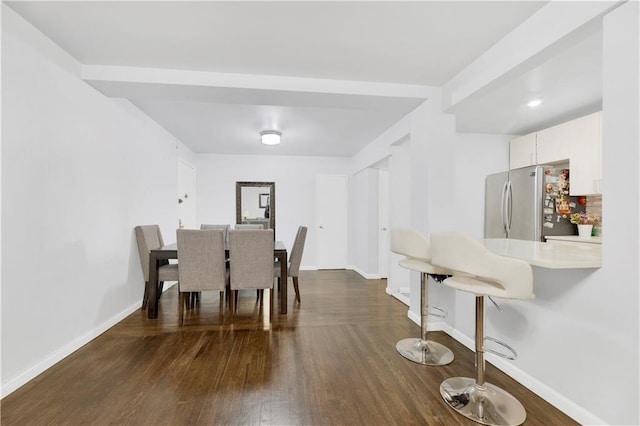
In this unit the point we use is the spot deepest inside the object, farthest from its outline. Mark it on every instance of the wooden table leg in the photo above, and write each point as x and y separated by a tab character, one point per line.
283	283
152	304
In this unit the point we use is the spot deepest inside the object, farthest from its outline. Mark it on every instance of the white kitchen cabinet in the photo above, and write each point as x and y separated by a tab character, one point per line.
522	151
585	145
552	144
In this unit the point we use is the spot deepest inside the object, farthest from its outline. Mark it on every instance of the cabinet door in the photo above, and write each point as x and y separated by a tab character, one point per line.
586	155
522	151
553	144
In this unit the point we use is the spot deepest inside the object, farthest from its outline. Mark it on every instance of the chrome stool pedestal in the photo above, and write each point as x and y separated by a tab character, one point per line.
474	398
422	350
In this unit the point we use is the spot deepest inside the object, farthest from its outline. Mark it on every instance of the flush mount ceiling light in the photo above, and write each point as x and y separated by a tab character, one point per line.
270	137
534	103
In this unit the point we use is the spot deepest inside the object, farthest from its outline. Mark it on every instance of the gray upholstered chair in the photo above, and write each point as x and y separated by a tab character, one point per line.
202	263
244	226
150	238
294	260
251	261
224	228
478	271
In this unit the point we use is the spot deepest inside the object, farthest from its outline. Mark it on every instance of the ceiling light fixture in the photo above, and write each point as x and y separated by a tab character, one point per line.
534	103
270	137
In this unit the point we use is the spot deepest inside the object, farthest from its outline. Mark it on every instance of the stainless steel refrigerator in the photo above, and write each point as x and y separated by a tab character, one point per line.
530	203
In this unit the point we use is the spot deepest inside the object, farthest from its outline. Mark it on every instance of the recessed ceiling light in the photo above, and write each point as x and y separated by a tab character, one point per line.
270	137
534	103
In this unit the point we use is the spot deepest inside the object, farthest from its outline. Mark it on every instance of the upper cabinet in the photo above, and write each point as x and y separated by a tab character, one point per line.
579	141
522	151
586	155
552	144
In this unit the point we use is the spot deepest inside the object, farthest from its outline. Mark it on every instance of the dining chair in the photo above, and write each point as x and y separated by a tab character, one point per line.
224	228
149	238
251	261
201	255
245	226
294	261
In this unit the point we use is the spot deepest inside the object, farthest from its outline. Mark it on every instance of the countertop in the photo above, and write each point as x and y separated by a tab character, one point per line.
575	239
548	255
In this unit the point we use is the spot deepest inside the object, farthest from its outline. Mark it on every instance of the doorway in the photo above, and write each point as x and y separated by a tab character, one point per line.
186	184
384	246
331	221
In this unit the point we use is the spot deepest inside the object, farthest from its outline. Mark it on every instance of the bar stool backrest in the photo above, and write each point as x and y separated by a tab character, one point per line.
411	243
464	254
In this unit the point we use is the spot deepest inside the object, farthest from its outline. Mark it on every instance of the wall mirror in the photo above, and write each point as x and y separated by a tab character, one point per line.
256	203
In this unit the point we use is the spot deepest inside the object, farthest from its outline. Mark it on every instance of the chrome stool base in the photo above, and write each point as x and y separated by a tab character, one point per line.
425	352
487	404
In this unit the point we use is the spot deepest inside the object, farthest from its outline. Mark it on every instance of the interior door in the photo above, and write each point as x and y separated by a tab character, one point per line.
384	246
331	226
187	196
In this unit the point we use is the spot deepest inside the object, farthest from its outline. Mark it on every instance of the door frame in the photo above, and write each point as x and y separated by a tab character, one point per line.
346	224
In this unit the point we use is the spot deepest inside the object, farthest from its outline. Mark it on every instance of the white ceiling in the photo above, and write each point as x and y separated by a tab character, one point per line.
412	45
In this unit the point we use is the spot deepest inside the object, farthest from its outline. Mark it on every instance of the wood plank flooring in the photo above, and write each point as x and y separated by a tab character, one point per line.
330	361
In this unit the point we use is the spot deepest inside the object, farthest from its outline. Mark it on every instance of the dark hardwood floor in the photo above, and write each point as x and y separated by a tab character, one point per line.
330	361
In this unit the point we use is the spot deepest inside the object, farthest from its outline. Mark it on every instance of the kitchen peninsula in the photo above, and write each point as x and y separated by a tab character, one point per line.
550	255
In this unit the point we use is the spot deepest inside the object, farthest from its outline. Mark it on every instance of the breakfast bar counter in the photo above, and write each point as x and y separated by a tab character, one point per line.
548	255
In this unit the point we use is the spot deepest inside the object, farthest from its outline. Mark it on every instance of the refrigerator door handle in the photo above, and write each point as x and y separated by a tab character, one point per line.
509	207
502	208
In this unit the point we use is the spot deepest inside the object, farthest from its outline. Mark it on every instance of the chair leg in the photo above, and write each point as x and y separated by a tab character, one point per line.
295	287
181	303
160	288
474	398
145	298
422	350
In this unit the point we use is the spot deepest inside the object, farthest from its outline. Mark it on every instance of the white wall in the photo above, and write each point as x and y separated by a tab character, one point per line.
295	179
363	222
76	179
477	155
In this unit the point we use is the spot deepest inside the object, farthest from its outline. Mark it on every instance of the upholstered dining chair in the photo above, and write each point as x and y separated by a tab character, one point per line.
202	264
224	228
294	261
251	261
482	273
149	238
244	226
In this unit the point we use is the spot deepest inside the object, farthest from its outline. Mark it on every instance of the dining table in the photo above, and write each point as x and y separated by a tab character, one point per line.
170	251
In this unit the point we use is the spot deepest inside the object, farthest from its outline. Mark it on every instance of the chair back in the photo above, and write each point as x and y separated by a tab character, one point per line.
411	243
245	226
202	260
224	228
466	255
148	238
296	251
251	258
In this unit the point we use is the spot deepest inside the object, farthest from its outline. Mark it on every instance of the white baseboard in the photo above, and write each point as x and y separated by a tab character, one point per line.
400	296
309	268
562	403
69	348
363	274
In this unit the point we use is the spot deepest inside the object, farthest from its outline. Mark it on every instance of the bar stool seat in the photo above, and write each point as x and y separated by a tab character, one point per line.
410	243
482	273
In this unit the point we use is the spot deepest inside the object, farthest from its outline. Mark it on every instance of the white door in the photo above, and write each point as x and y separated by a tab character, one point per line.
186	196
384	249
331	226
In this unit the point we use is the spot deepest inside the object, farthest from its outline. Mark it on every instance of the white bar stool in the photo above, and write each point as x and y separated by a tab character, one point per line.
415	247
482	273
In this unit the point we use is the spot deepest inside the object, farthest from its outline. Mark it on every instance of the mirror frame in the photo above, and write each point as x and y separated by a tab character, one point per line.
272	201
